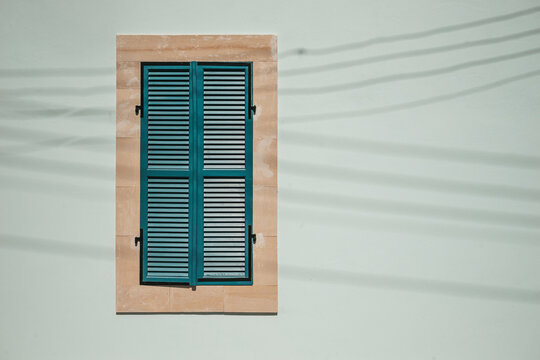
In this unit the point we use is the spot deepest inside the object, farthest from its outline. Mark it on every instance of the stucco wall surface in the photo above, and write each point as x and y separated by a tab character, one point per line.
409	168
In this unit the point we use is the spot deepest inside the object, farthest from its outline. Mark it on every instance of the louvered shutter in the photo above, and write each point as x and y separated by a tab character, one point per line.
196	173
166	178
225	187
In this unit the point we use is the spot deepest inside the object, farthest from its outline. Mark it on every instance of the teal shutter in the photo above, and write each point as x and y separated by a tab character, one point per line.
225	142
166	178
196	173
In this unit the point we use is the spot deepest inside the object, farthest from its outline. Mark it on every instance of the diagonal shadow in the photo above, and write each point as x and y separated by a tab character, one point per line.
285	120
60	167
44	186
96	144
329	276
28	109
438	153
37	139
60	112
406	76
410	209
56	72
405	54
58	90
93	143
26	243
408	36
402	283
14	73
430	228
423	183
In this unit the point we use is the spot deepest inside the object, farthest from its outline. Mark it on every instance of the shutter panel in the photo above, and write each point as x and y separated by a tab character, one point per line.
168	118
168	228
196	173
226	172
166	181
224	227
224	118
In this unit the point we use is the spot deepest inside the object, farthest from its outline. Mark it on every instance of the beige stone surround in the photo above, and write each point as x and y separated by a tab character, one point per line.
261	297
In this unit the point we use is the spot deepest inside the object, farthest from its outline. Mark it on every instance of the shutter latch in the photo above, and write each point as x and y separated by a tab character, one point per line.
253	108
138	108
252	237
138	239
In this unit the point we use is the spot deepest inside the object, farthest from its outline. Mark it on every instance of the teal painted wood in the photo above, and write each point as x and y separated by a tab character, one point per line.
144	179
199	240
225	132
194	177
166	181
249	168
177	166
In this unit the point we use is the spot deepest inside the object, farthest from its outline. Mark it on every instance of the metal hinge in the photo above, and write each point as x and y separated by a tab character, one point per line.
251	236
138	109
138	239
253	108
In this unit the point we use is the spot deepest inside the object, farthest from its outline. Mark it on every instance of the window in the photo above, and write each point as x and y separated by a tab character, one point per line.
196	173
195	168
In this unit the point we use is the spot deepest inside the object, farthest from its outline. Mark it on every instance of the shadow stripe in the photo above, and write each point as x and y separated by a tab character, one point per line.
405	54
408	36
285	120
406	76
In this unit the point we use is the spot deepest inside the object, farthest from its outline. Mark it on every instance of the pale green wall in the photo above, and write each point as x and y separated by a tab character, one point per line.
405	232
